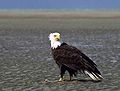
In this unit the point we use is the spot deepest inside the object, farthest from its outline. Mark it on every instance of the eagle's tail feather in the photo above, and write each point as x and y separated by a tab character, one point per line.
94	76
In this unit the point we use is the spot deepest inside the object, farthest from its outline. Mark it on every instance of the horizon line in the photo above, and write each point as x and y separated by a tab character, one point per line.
101	9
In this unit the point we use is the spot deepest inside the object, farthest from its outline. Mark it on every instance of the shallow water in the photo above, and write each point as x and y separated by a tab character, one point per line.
26	60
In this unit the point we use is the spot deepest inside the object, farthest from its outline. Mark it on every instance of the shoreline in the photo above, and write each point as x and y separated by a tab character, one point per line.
59	14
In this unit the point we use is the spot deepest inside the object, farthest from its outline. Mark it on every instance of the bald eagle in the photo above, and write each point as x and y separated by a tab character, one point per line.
71	59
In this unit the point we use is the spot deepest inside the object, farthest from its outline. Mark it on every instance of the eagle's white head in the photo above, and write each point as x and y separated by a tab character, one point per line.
54	39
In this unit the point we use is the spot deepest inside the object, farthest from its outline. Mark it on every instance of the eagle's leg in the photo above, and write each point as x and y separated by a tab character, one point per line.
73	74
62	72
61	76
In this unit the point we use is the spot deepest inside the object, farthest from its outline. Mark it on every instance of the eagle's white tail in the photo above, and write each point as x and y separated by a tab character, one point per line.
95	77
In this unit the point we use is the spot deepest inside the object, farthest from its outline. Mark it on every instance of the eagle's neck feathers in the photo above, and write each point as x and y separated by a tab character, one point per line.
55	44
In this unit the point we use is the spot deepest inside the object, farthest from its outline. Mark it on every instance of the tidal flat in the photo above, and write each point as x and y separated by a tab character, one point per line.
25	54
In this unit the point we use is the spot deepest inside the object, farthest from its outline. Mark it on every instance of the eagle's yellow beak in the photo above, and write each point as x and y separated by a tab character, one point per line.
57	37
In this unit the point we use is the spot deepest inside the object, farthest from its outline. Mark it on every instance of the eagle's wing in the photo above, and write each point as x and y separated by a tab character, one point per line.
78	53
73	58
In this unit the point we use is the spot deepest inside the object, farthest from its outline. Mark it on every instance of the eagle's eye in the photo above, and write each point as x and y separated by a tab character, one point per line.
55	35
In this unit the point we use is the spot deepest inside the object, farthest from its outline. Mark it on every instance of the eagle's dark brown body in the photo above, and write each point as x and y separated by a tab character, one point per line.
73	60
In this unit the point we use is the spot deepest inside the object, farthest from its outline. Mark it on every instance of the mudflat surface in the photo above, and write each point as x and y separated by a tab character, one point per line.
26	60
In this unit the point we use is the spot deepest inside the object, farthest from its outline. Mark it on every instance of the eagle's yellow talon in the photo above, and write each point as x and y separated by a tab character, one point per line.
61	79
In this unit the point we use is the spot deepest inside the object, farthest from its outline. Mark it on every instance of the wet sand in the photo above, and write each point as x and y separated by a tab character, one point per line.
26	60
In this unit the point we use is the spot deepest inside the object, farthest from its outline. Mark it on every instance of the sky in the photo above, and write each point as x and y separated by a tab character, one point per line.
59	4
